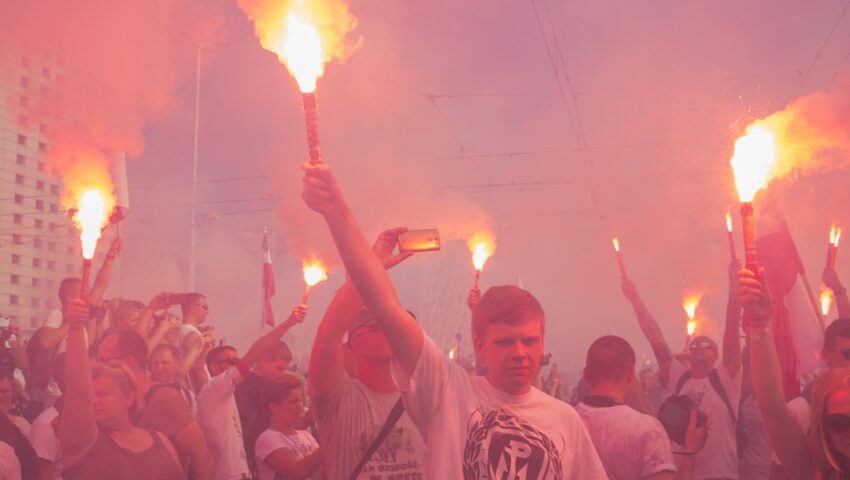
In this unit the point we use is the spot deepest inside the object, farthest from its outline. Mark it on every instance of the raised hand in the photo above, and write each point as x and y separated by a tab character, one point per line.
385	246
754	297
298	315
472	298
77	313
319	189
629	289
115	248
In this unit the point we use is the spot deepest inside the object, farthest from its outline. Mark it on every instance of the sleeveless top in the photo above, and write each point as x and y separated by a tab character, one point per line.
154	463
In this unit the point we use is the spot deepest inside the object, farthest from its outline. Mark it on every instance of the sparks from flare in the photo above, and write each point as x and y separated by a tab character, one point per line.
314	273
91	216
834	235
825	301
754	161
482	246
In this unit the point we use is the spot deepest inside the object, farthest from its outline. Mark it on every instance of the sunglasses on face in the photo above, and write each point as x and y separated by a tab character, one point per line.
701	346
836	423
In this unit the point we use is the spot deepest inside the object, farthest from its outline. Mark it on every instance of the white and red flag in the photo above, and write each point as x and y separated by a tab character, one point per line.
797	329
268	283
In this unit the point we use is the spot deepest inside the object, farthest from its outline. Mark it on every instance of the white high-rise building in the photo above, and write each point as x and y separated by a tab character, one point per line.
38	244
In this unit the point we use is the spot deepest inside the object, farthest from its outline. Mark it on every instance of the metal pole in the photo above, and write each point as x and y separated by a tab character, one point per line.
192	232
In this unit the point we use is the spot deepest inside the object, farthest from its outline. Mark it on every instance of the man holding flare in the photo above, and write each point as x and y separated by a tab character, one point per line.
474	426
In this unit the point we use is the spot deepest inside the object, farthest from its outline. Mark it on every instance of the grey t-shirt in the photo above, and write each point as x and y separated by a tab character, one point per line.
349	417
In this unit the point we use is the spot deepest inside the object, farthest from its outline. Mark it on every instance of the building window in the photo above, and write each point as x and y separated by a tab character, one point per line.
13	299
36	262
22	139
18	219
16	259
51	246
19	199
51	284
34	302
39	205
15	279
42	147
23	101
70	269
17	239
22	160
54	189
36	282
39	223
25	82
37	242
42	167
40	185
52	227
19	179
51	265
70	250
54	208
48	303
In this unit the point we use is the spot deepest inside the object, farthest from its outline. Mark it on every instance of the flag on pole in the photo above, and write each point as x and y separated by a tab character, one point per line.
797	330
268	282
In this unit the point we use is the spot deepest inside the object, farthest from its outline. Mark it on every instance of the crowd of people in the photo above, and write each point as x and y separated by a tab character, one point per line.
123	389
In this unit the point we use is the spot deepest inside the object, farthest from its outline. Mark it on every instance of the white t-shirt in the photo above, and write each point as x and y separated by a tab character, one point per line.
300	445
719	457
802	411
10	466
45	442
475	431
631	444
218	418
349	417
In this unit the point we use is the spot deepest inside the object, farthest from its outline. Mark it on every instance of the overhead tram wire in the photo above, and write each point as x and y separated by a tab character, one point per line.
804	75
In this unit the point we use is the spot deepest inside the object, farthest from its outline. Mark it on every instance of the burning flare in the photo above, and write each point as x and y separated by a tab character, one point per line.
692	327
92	214
834	235
314	272
616	242
825	301
304	34
482	246
754	161
690	305
452	353
729	222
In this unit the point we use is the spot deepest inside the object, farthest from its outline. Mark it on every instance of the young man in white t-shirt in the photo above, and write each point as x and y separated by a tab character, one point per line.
716	391
490	427
217	412
632	445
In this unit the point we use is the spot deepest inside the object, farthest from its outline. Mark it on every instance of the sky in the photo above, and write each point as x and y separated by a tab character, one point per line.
556	125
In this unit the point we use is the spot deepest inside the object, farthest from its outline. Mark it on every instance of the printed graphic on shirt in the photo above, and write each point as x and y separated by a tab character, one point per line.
394	458
502	446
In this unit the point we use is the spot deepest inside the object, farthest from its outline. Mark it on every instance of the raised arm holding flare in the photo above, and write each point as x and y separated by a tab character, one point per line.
650	328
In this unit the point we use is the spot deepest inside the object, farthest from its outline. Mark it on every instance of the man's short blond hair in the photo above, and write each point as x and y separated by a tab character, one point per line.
505	304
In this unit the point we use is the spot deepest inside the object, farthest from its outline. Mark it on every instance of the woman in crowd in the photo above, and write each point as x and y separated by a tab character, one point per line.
822	453
282	451
95	428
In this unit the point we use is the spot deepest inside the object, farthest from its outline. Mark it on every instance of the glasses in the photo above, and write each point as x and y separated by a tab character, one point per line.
836	423
701	346
229	361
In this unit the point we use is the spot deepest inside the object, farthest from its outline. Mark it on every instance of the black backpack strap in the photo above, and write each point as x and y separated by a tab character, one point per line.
682	380
714	379
392	419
